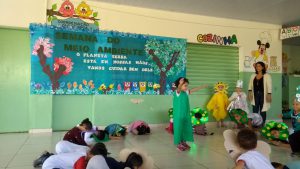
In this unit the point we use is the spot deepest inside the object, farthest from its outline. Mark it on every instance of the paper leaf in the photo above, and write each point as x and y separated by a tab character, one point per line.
96	23
49	18
95	14
54	6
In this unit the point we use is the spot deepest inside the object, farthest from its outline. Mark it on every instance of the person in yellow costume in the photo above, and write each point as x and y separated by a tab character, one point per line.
218	103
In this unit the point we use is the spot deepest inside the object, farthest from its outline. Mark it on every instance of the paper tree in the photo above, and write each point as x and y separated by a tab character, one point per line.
167	58
62	66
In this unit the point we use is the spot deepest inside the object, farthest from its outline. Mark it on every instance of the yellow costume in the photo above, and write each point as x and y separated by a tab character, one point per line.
219	102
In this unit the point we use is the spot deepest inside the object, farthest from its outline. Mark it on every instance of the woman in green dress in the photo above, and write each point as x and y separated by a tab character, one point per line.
183	130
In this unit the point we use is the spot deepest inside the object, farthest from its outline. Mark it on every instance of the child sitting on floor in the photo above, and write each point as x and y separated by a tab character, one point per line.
250	159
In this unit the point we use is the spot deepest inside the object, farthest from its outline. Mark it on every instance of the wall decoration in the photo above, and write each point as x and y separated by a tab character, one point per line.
216	39
72	15
261	54
247	62
105	62
290	32
274	67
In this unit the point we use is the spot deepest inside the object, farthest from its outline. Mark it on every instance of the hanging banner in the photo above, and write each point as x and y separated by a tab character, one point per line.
103	62
290	32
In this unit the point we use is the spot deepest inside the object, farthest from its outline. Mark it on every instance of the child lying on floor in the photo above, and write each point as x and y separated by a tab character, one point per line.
139	127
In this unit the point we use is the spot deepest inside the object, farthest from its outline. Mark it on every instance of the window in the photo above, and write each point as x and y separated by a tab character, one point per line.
208	64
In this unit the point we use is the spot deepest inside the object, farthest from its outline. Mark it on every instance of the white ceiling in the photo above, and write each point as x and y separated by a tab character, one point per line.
282	12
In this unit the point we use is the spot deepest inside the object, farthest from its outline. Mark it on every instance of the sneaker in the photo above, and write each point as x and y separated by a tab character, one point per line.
180	147
186	145
39	162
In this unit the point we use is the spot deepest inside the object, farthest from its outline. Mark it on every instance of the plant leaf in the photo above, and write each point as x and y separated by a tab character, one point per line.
95	14
54	6
54	18
96	23
49	18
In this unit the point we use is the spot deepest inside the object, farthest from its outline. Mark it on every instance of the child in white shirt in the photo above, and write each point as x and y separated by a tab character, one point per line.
251	159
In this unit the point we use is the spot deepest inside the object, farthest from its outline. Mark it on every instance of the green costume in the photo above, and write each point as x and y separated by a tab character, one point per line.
183	130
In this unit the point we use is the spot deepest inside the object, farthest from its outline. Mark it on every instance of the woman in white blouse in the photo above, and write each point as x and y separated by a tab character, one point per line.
260	90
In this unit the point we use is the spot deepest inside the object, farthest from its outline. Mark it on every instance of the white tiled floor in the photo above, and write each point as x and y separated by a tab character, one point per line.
18	150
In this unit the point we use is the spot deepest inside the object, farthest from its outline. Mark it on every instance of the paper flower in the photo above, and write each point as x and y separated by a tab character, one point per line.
45	42
65	61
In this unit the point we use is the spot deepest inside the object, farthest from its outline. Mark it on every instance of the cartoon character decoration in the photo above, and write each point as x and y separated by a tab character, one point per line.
67	9
219	102
150	86
135	87
142	86
127	86
119	87
83	10
260	55
156	87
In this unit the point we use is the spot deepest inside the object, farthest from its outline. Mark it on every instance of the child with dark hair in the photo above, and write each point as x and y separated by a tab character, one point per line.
139	127
129	159
75	134
182	125
134	160
251	159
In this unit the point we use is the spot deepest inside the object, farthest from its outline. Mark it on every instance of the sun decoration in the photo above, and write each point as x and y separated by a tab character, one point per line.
199	116
221	87
282	127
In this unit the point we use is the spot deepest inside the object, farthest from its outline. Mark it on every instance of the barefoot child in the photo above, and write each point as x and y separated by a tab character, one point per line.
183	130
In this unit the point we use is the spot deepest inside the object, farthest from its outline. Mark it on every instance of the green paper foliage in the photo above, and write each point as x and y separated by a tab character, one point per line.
198	112
241	113
282	128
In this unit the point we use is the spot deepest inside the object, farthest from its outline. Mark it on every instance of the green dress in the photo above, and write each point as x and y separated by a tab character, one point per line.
183	130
